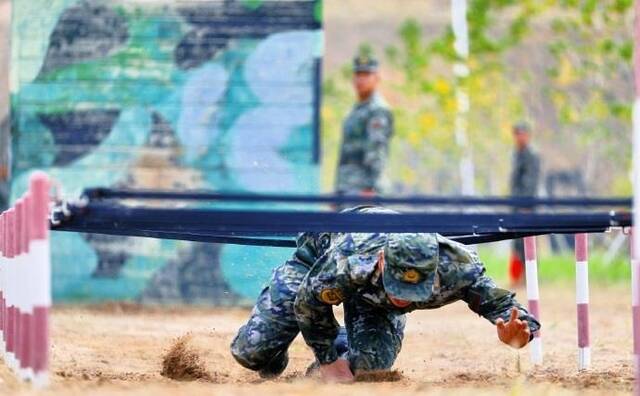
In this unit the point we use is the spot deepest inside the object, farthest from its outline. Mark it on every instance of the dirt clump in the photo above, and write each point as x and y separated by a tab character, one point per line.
183	363
379	376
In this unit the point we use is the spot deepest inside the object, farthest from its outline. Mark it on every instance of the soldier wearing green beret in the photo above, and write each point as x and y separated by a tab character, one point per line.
377	278
365	133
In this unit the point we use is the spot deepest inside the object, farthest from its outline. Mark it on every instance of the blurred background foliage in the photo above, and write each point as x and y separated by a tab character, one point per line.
562	65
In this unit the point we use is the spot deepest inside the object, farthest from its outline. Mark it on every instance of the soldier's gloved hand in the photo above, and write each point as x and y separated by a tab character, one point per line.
337	371
515	332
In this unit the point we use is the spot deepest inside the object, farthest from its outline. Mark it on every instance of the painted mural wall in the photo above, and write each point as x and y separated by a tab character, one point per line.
5	35
217	94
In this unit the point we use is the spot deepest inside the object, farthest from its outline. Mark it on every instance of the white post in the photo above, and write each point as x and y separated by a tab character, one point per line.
533	295
582	300
461	72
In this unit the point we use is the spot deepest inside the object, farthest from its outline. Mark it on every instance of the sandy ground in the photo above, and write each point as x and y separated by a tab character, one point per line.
118	350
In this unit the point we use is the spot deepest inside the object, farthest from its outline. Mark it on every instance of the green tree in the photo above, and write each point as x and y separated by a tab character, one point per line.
572	79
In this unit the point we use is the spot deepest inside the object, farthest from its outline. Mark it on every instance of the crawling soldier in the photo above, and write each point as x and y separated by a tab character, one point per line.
378	278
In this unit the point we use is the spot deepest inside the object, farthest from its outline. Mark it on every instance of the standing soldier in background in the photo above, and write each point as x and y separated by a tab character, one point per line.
525	174
366	133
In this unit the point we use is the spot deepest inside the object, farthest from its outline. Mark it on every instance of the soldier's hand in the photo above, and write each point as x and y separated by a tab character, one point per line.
337	371
515	332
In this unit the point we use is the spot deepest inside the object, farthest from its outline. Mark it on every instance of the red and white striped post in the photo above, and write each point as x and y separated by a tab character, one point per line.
24	345
635	305
533	295
40	267
3	337
25	283
22	280
582	300
635	271
11	309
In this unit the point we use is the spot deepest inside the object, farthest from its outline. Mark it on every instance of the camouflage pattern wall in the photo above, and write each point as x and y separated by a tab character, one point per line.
217	94
5	35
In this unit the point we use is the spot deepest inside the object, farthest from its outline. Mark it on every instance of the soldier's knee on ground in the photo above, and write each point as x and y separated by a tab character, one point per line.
249	354
372	359
256	356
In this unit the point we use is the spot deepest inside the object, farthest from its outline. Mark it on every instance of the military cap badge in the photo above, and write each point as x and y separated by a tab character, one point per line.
411	276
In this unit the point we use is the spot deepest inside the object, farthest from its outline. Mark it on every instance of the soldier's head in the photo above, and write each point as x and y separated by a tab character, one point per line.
521	135
365	76
409	267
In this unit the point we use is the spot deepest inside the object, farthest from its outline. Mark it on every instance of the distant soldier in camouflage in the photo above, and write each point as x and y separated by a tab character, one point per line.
365	133
378	278
525	175
525	172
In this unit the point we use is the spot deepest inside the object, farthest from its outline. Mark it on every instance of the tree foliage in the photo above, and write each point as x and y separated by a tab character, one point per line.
563	65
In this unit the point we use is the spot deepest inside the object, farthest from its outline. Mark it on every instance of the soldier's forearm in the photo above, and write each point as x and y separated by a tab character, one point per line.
501	309
320	343
373	175
318	326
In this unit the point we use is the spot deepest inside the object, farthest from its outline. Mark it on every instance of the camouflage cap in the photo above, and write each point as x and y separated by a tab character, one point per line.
411	262
365	64
521	126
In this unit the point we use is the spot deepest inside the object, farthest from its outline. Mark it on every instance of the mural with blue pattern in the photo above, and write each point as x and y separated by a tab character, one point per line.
218	94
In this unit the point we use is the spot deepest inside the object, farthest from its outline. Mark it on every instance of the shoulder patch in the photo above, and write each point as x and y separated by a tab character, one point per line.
331	296
378	121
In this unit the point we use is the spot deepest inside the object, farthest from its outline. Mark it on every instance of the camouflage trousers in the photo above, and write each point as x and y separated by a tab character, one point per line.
370	340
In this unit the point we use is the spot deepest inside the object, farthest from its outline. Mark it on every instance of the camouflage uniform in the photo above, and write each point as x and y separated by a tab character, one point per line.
365	139
525	173
524	183
326	270
273	325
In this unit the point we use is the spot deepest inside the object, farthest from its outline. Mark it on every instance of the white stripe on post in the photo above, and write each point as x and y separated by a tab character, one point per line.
582	300
533	295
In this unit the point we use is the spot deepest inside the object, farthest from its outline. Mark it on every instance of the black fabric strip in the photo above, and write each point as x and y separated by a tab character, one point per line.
183	236
95	194
286	243
250	227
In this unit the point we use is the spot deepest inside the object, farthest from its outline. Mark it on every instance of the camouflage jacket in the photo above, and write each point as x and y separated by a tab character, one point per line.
365	139
346	271
525	173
